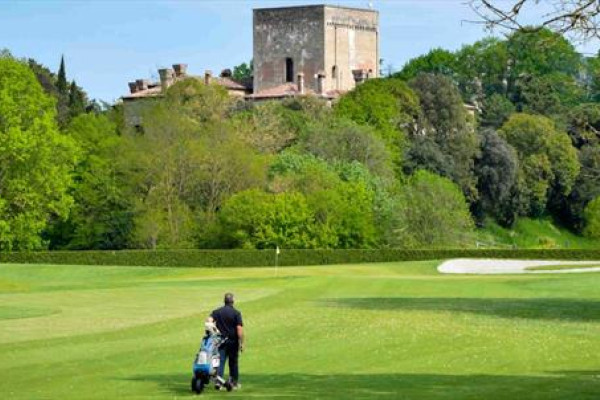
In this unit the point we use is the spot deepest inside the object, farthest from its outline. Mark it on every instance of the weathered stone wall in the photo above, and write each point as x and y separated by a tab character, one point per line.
351	42
293	32
316	38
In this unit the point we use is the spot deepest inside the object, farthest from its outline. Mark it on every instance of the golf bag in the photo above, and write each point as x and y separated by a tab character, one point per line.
207	361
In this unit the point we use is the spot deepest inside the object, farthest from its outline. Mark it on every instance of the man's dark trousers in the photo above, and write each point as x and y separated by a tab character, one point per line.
230	351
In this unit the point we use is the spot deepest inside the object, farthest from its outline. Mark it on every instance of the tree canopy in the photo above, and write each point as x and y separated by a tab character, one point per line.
498	130
36	160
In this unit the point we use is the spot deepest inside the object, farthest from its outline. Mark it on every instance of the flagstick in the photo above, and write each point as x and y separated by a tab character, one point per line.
277	261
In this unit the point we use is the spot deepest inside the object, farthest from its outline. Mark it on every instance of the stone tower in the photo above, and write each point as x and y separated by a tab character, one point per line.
339	43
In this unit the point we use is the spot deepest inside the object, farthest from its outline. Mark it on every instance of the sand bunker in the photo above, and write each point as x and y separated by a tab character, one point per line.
498	266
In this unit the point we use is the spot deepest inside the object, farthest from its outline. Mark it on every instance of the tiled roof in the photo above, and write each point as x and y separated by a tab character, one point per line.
230	83
152	91
290	90
155	89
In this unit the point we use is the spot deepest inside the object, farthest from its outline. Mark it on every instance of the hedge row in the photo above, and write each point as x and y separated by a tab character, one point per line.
256	258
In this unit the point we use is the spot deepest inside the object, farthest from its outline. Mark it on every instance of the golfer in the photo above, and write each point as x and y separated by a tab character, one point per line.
229	322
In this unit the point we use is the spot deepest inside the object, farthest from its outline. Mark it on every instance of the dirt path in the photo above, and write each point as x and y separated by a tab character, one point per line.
498	266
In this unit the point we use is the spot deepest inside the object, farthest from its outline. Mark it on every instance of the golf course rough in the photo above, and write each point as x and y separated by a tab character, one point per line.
394	330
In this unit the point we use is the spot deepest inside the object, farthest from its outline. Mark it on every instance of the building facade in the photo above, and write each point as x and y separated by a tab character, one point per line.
334	48
315	50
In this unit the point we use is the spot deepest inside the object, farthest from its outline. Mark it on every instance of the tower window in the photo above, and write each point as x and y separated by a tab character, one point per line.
289	70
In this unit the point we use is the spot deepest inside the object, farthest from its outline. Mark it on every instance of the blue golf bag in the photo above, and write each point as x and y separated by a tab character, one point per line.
207	361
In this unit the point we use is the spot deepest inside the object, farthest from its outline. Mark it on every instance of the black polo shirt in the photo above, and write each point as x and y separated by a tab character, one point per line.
227	319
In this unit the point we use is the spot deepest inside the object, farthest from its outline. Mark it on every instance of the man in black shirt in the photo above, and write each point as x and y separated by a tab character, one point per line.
229	322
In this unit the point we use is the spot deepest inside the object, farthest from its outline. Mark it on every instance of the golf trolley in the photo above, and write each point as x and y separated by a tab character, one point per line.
208	360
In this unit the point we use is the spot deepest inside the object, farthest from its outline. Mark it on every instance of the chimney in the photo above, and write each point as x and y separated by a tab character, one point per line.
142	84
360	75
132	87
321	82
180	70
166	77
207	77
301	82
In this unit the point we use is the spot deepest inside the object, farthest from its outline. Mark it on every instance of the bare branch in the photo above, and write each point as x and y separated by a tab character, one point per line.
580	18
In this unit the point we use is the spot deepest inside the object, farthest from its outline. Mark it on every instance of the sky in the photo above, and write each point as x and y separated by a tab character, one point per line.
107	43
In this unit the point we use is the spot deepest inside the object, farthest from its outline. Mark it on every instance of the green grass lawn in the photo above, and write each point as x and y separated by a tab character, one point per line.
530	233
397	331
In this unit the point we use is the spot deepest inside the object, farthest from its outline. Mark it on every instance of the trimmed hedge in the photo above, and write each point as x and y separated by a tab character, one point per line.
257	258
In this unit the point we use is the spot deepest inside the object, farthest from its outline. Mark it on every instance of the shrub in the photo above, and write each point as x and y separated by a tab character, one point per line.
257	258
592	219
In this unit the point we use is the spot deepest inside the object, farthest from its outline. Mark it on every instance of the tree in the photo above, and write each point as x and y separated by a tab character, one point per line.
186	164
61	82
388	105
592	219
243	72
539	53
273	126
481	69
583	124
430	211
447	123
342	198
586	188
102	216
62	103
45	77
341	140
344	216
551	94
579	17
77	100
255	219
442	106
496	110
546	157
36	161
437	61
592	72
425	153
496	170
71	100
199	103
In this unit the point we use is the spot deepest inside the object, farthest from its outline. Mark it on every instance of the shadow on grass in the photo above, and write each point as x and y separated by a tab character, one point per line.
572	385
553	309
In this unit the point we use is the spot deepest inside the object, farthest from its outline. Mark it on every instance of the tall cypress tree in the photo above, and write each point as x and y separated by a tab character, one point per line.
62	105
61	83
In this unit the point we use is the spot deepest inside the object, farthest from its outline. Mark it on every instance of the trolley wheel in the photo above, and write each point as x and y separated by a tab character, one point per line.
197	385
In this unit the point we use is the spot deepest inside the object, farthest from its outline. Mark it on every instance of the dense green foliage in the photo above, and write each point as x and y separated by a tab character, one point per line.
497	131
71	100
532	233
36	160
292	257
243	72
547	161
389	331
430	211
101	217
592	219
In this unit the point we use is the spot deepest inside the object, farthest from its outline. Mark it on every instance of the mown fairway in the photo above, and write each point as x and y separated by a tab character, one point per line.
366	331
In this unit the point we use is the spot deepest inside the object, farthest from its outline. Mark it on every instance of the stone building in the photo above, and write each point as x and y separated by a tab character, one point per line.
317	50
143	90
321	49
